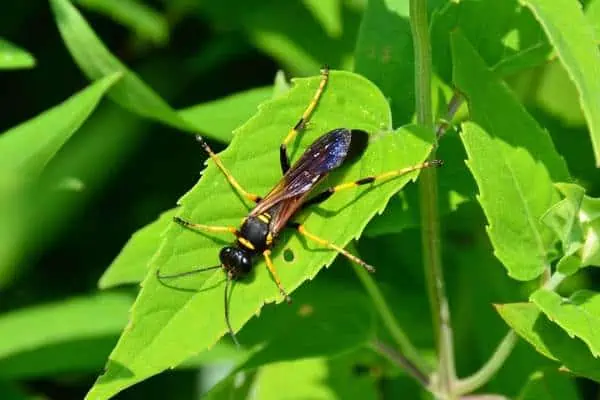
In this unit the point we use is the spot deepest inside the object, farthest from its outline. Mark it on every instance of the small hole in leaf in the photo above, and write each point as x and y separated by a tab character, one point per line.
288	255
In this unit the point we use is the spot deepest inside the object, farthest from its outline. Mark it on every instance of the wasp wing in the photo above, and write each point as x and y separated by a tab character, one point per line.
325	154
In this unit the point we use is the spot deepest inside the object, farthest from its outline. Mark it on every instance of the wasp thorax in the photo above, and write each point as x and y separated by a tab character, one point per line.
236	261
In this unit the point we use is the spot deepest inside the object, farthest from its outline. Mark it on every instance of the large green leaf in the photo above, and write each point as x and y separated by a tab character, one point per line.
514	163
579	315
131	265
170	325
146	22
13	57
515	192
549	385
27	148
573	38
550	340
96	61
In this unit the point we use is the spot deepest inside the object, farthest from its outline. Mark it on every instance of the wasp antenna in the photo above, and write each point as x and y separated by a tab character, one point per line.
190	272
227	285
199	138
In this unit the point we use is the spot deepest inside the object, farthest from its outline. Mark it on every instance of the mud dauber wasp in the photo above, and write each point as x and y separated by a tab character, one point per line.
272	213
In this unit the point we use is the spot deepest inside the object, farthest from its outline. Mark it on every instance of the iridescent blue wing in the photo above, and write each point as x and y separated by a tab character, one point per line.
325	154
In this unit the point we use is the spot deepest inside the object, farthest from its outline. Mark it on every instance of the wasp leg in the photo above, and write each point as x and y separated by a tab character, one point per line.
271	267
325	243
284	159
206	228
250	196
324	195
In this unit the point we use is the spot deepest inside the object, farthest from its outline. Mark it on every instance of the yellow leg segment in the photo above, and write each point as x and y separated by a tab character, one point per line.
369	179
271	267
226	172
386	175
334	247
309	110
206	228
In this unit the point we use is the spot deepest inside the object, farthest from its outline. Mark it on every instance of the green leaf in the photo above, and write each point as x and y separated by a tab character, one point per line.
96	61
146	22
132	263
13	57
556	94
329	14
563	219
506	35
590	218
384	54
550	340
549	385
314	378
27	148
592	14
288	31
81	356
69	320
221	117
507	175
514	163
234	386
578	315
340	322
573	39
170	325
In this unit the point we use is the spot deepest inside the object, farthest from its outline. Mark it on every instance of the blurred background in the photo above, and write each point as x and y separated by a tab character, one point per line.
119	172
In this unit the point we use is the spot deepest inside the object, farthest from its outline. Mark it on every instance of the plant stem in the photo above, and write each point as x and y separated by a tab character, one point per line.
405	346
400	360
555	280
429	208
485	373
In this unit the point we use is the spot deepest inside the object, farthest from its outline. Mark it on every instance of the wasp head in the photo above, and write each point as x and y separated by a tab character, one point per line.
236	261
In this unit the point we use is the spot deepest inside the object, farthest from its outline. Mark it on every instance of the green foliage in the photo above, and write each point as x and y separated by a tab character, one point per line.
222	116
96	61
13	57
519	156
71	331
56	125
548	385
145	22
578	315
94	181
131	265
155	344
551	341
574	41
